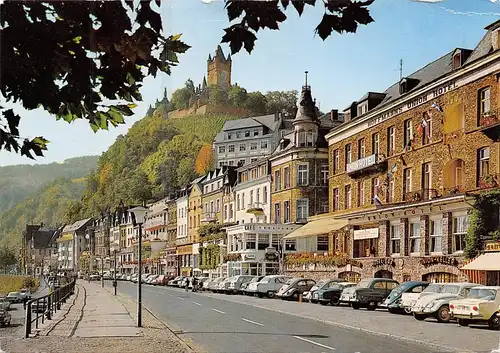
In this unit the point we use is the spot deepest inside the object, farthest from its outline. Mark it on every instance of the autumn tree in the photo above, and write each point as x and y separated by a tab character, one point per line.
204	160
96	54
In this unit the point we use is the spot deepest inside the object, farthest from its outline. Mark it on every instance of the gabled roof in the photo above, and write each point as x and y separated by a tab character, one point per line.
76	226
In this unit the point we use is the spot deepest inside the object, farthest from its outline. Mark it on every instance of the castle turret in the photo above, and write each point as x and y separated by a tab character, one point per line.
306	120
219	69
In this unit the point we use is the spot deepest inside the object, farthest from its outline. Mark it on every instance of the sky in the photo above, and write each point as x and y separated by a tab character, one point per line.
341	69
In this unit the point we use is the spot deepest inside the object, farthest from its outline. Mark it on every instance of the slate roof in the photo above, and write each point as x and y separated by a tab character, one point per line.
76	226
268	121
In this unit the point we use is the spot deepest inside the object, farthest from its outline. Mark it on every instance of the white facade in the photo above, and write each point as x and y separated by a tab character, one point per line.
182	218
155	226
260	246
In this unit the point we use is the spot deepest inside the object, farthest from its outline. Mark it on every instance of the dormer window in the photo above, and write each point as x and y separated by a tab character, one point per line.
457	60
407	84
403	86
362	109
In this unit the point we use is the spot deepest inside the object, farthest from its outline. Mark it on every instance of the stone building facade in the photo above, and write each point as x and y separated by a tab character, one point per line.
405	164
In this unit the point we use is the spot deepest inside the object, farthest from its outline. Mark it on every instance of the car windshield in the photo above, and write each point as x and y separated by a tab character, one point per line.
321	283
13	294
482	293
290	281
399	289
364	284
433	288
256	279
450	289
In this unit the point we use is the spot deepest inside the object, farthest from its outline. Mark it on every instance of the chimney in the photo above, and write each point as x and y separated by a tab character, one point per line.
334	115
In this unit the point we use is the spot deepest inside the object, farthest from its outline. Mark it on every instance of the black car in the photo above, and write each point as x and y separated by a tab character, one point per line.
321	284
393	301
331	294
370	293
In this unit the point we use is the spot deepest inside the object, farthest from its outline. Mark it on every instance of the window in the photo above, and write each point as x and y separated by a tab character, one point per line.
217	207
302	138
391	140
263	144
222	149
264	195
483	163
414	228
302	174
247	133
257	195
426	129
395	238
226	215
242	200
277	180
229	135
460	225
253	146
238	135
231	148
243	147
263	242
277	215
348	154
426	179
251	197
484	101
253	160
406	183
286	177
255	132
336	199
250	241
436	235
310	138
375	143
322	244
231	163
238	204
361	148
361	194
302	209
286	211
336	161
324	174
347	195
323	206
375	188
408	136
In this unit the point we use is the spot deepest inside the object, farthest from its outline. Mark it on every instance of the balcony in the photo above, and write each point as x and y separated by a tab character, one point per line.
454	190
489	124
209	217
421	195
367	165
255	208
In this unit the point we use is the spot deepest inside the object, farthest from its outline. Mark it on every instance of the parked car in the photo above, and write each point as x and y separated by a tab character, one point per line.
346	294
267	286
480	307
244	286
95	277
4	304
370	293
212	286
5	318
223	286
331	293
322	283
14	297
409	299
236	283
393	300
437	305
25	294
174	282
294	288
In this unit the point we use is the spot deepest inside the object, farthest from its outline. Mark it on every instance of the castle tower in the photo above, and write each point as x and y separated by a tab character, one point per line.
219	69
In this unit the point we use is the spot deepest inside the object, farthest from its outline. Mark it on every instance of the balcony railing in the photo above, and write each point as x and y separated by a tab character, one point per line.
454	190
209	217
421	195
255	207
488	181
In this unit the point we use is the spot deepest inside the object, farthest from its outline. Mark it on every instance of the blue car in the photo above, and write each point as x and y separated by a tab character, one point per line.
393	300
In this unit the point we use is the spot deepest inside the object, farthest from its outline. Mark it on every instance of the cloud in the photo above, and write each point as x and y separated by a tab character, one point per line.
472	13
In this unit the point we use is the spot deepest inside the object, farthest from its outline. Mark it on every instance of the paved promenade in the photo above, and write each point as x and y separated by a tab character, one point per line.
96	320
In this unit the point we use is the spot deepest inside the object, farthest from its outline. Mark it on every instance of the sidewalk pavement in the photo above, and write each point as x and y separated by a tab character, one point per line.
96	320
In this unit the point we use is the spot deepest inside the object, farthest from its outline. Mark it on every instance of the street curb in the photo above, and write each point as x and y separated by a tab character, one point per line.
63	314
161	321
354	328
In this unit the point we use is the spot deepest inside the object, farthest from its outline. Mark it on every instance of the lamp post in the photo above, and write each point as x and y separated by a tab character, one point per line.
87	236
114	275
138	216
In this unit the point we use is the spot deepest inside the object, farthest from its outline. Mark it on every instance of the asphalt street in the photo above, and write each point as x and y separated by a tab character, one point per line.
220	325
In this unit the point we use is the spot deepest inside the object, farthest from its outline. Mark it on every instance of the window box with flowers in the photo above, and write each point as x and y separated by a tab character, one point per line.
489	118
487	182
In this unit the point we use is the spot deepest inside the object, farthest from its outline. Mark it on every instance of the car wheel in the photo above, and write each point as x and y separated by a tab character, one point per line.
271	294
443	314
372	305
323	303
335	301
463	322
494	322
419	317
295	296
260	295
407	309
392	311
355	306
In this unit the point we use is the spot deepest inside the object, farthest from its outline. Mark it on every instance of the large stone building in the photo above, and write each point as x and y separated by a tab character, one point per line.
405	165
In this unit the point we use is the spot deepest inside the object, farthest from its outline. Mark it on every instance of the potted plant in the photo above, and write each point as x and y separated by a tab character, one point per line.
489	118
487	181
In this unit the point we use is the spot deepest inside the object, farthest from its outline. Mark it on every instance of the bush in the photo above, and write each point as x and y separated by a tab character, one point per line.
15	283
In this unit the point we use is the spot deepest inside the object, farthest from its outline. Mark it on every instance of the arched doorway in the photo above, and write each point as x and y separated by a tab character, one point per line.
453	176
440	277
383	274
350	276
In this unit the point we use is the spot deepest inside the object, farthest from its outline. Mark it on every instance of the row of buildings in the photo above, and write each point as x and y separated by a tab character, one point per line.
387	187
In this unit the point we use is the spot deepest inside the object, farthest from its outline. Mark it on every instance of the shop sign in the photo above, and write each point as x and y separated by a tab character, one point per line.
438	260
384	262
371	233
362	163
493	246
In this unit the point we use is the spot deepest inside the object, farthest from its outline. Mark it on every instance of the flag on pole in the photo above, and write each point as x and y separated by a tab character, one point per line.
377	200
437	107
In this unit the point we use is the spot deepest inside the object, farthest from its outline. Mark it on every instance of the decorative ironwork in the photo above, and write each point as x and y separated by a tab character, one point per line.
438	260
421	195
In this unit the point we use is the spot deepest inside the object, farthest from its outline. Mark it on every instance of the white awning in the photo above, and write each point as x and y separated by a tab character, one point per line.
485	262
318	227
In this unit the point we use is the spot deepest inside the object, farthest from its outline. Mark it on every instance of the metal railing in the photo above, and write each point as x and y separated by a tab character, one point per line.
40	309
421	195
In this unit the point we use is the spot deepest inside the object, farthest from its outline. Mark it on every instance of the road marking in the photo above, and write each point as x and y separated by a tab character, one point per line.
218	311
312	342
180	298
252	322
195	303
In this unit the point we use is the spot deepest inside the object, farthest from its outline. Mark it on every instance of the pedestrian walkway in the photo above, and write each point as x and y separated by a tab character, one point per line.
104	315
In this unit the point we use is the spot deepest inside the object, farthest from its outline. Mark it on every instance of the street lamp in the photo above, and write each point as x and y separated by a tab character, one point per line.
114	273
87	236
138	216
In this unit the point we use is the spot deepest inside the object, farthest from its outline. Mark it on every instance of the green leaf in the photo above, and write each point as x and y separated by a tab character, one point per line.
77	39
132	105
71	52
176	37
130	79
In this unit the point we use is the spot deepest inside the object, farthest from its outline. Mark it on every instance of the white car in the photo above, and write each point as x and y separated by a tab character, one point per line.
480	307
437	305
347	293
267	286
408	300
